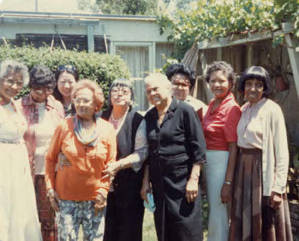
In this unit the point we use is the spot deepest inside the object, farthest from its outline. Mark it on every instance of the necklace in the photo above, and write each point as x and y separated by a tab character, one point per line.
117	123
116	120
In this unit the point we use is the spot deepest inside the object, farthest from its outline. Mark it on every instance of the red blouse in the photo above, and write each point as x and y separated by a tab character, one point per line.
220	126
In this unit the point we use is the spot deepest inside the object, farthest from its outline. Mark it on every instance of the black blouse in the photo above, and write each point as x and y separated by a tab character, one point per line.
179	136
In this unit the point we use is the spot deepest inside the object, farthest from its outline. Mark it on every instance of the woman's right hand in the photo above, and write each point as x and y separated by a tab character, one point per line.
53	198
63	161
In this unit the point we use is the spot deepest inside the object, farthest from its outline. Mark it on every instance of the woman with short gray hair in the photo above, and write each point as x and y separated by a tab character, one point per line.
11	66
18	212
176	152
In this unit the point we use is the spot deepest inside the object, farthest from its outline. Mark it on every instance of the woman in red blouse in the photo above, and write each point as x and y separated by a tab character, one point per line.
220	129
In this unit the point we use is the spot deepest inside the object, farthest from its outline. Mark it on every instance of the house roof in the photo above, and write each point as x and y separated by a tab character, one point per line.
240	39
74	16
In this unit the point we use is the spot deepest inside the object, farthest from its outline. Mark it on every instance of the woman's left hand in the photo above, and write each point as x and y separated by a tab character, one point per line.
191	190
111	169
275	200
226	193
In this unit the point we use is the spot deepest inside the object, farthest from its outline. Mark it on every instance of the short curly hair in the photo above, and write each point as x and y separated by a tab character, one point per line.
259	73
181	69
96	90
223	66
41	75
8	67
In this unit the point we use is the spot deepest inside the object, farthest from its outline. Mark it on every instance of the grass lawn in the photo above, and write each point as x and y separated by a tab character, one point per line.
149	233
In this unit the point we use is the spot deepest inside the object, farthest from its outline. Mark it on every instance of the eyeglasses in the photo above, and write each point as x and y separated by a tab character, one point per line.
84	101
182	85
124	91
11	82
46	89
257	85
67	67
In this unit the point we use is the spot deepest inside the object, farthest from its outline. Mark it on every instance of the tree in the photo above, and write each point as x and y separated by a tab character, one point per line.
121	7
219	19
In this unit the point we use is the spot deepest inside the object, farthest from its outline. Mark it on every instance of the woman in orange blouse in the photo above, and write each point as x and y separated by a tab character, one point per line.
78	191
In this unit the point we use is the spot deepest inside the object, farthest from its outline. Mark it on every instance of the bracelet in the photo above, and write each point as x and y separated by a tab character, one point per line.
50	193
228	182
121	165
194	177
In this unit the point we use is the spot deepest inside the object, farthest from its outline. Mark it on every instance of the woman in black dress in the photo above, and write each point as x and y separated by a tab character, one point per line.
176	152
124	206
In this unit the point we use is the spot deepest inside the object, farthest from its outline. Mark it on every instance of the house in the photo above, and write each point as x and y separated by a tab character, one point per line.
136	39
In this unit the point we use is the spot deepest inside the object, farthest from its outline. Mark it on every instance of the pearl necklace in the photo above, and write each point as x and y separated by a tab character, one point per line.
116	122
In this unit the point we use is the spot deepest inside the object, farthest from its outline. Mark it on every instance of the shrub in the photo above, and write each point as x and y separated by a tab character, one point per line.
102	68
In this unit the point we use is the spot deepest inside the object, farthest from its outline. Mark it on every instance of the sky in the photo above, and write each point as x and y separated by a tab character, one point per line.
66	6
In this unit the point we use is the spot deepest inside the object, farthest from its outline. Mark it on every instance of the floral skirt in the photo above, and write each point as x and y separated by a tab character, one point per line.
72	214
252	217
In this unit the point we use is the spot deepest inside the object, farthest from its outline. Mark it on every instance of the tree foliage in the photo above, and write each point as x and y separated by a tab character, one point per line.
210	19
121	7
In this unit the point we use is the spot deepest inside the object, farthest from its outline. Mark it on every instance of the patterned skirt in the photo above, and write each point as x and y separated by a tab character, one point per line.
45	212
252	217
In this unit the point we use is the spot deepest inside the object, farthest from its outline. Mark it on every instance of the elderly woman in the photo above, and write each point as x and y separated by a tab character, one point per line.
183	80
260	208
78	192
66	77
18	212
43	113
220	129
124	205
176	151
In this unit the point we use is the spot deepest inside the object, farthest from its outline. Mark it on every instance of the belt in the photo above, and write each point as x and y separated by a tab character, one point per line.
6	141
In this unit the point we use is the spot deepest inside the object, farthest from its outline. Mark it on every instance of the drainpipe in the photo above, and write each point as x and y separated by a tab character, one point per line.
36	5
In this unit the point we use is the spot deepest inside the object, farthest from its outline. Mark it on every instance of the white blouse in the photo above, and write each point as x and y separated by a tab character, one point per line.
44	131
250	133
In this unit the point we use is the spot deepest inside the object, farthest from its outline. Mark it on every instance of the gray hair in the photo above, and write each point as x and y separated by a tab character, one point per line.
122	83
8	67
160	78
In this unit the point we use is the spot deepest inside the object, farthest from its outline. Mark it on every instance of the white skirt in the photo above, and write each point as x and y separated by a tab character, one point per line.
18	212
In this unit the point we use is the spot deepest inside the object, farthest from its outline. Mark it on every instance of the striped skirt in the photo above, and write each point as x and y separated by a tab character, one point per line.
252	217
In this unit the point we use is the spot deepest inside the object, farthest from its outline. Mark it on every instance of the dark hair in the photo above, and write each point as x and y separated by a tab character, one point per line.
223	66
41	75
259	73
181	69
120	83
68	68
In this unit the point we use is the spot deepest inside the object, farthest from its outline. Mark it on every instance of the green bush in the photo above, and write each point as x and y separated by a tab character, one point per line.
102	68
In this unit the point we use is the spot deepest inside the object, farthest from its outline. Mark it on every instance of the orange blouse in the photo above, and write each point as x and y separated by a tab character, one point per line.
81	181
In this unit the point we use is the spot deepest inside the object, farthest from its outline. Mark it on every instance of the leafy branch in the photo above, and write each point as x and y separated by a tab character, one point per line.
210	19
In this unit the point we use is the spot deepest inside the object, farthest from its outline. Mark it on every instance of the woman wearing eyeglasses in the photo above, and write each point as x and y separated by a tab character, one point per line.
18	212
78	192
43	113
183	80
66	76
124	205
